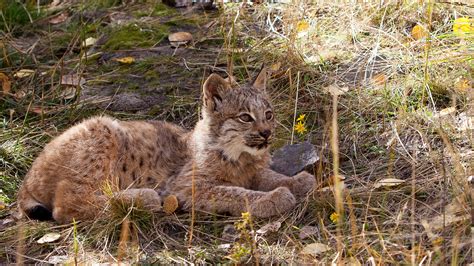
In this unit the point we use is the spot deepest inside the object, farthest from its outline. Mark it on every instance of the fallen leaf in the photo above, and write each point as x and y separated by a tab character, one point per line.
269	228
72	80
125	60
462	85
275	67
23	73
379	79
179	38
389	182
308	231
2	205
68	93
170	204
336	90
447	111
61	259
315	249
59	18
48	238
89	41
6	84
419	32
454	213
224	246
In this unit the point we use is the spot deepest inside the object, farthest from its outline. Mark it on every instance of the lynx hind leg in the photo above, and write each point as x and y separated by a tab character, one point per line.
73	202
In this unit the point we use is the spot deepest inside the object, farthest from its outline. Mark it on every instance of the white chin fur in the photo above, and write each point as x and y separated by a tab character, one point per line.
234	149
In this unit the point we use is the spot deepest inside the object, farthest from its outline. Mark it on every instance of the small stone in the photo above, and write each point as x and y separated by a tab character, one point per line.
291	159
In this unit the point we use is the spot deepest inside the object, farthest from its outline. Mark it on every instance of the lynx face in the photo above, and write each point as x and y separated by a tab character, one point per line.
240	119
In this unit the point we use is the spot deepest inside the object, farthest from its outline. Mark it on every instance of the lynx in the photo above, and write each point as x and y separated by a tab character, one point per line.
220	167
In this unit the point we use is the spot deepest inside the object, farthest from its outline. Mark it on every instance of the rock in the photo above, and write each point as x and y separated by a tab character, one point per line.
291	159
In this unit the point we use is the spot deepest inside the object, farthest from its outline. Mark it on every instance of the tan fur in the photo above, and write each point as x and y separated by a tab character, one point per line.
225	156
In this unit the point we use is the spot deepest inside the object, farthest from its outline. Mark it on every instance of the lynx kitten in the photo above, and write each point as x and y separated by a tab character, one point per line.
225	156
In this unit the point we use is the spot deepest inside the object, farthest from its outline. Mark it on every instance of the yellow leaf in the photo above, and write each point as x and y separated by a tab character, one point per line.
379	79
6	84
2	205
275	67
419	32
462	85
23	73
125	60
463	26
302	25
170	204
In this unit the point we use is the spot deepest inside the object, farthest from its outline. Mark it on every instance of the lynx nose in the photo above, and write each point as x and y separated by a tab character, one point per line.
265	133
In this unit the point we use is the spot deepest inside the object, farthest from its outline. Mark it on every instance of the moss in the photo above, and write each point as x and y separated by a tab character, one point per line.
132	36
162	10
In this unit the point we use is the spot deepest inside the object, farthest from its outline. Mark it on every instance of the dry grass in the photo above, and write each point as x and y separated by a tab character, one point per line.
390	123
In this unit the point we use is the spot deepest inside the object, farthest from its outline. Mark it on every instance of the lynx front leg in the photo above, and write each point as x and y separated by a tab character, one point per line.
145	198
233	200
299	184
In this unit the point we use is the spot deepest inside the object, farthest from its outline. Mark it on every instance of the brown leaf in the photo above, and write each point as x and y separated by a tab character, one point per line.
308	231
6	84
315	249
59	18
72	80
379	79
170	204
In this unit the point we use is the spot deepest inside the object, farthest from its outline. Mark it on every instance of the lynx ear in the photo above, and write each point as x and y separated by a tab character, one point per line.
213	89
260	81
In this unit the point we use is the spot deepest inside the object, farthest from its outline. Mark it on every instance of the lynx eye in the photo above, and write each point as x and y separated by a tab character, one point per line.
269	115
246	118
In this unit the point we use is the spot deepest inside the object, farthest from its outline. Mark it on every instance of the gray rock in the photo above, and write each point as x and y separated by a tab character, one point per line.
291	159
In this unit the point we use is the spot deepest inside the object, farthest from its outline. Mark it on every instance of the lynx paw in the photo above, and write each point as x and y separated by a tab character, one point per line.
304	182
146	198
277	201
